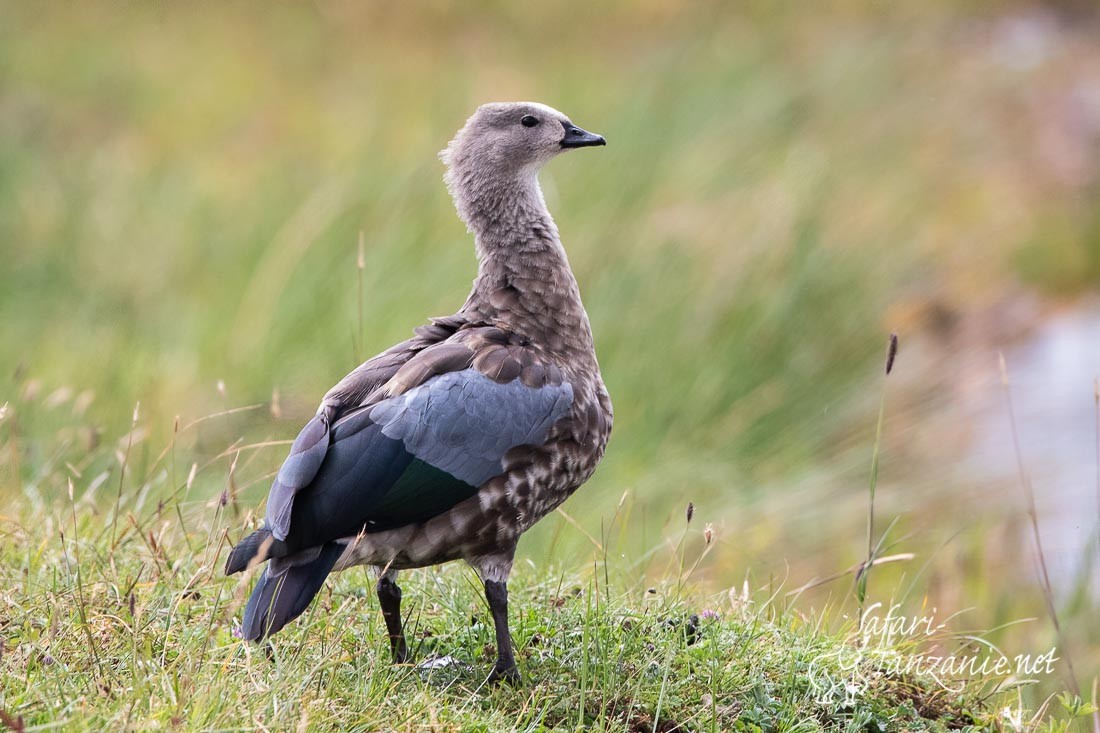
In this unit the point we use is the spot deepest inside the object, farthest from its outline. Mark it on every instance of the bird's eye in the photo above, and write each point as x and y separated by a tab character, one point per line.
529	121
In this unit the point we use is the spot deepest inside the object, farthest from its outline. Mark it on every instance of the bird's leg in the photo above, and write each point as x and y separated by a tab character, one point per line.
389	598
505	668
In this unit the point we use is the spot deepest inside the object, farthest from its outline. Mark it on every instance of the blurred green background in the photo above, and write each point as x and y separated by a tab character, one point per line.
182	187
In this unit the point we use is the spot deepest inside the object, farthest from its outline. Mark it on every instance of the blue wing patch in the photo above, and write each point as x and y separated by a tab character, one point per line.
464	422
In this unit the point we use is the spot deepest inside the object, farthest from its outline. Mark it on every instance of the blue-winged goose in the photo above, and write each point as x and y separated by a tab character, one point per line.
451	444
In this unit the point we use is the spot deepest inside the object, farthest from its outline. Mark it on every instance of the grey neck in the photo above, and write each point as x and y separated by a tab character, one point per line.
524	283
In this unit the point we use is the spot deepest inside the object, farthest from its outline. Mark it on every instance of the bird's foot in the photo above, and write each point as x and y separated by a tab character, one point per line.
507	674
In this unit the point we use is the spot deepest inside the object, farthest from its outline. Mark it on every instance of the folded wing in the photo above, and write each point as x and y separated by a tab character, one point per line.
409	457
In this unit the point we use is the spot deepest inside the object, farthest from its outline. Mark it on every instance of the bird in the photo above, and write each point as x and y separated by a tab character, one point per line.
450	445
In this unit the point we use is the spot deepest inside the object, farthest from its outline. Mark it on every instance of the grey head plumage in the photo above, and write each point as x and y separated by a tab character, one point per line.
499	152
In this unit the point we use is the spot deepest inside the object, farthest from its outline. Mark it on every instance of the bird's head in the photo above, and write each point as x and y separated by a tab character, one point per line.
507	138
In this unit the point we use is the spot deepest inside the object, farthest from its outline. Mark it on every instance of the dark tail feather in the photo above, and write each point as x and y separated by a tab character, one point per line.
252	550
286	588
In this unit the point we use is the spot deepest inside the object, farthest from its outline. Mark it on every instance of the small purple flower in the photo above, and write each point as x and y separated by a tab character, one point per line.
238	632
709	614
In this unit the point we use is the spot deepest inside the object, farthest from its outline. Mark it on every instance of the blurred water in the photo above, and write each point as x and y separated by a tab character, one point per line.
1052	375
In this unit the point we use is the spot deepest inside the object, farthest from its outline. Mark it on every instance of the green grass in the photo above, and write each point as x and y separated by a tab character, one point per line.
128	626
114	614
589	664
